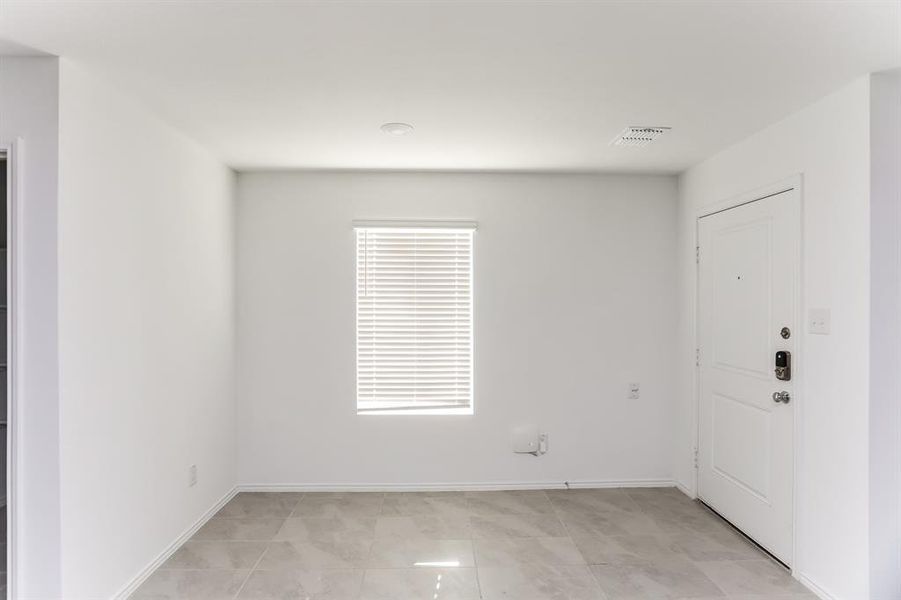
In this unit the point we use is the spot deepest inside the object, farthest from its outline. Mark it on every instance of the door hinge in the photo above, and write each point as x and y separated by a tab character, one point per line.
696	458
698	254
697	357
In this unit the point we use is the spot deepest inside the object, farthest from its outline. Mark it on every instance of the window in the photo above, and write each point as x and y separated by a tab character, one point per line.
414	318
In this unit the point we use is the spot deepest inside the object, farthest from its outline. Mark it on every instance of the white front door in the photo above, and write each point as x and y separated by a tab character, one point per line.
748	269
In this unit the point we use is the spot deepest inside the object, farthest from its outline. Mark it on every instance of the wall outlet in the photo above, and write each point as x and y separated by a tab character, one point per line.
192	475
819	321
634	391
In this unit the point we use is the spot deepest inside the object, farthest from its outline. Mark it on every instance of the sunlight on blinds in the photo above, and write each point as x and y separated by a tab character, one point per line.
414	319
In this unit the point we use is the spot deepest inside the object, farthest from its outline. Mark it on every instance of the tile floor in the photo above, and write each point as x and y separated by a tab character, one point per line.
609	544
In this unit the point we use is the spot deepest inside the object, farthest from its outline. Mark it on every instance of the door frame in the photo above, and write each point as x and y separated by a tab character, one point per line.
15	197
793	183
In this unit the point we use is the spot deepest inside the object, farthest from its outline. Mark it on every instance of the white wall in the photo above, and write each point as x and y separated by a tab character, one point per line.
29	110
573	299
885	335
146	334
827	142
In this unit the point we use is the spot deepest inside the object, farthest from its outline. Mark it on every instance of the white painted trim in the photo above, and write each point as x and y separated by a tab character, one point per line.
136	581
815	588
794	183
791	183
685	490
443	487
696	372
426	224
15	313
800	376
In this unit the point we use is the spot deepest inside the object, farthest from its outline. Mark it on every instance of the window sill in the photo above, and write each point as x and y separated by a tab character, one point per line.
419	411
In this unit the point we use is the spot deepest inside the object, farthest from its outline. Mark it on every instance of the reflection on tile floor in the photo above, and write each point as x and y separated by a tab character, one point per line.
641	543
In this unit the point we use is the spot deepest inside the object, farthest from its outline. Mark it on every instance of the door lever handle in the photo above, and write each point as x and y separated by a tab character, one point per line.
783	397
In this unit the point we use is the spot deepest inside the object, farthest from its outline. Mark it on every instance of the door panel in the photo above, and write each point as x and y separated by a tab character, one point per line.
738	425
741	287
747	279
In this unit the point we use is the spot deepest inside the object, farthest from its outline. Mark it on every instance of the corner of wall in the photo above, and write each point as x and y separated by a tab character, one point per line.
885	335
29	111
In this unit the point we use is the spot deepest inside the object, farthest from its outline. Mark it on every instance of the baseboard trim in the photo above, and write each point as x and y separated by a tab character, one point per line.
459	486
144	573
685	489
815	588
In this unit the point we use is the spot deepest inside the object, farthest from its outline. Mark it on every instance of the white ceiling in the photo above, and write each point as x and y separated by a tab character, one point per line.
488	85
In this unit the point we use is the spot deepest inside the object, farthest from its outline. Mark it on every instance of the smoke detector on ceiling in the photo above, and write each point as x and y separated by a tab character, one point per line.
638	135
397	129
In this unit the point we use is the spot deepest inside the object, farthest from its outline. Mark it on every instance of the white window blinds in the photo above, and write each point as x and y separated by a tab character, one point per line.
414	319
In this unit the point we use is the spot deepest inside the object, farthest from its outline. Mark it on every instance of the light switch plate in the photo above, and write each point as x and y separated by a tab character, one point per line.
819	321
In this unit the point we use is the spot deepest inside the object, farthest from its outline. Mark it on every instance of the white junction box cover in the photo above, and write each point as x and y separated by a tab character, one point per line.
525	439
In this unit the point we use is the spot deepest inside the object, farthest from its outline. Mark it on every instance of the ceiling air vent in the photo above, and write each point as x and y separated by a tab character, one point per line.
638	135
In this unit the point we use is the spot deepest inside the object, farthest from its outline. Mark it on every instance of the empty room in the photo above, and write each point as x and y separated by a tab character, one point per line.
450	300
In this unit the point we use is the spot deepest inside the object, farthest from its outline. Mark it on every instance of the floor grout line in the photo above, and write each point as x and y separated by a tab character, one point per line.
251	571
296	504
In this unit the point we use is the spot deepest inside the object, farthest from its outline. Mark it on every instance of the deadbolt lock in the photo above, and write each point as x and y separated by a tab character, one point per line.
783	365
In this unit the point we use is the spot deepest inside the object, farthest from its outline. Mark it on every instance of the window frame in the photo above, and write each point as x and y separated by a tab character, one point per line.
413	226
